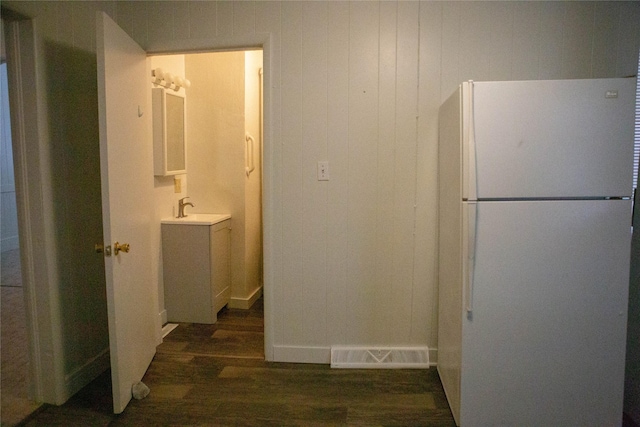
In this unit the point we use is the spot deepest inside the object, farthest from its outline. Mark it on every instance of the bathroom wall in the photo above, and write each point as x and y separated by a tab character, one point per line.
165	195
215	154
223	102
352	260
222	84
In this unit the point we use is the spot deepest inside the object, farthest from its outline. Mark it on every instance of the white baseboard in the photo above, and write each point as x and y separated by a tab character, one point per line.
433	356
168	328
245	303
299	354
80	377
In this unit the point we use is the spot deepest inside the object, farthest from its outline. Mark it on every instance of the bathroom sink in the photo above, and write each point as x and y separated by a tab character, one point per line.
197	219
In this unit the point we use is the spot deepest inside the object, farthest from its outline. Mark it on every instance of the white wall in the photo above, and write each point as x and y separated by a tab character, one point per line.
352	260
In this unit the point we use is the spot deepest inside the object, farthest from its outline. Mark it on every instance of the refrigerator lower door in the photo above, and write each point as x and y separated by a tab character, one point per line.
545	342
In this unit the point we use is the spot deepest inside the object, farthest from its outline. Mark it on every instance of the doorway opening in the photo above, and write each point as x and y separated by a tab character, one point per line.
15	345
50	383
224	138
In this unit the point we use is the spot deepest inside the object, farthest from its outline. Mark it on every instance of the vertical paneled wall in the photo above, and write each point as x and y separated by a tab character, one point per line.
358	84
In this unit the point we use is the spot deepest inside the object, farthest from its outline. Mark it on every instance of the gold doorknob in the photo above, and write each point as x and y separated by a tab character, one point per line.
117	248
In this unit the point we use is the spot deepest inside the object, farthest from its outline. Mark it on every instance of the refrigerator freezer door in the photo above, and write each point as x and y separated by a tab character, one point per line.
545	343
553	139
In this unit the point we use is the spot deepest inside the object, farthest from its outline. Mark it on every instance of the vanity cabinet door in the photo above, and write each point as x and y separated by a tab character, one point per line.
220	264
187	272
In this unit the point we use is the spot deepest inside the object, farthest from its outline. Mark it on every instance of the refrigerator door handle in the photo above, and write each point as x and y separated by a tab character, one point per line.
471	184
470	251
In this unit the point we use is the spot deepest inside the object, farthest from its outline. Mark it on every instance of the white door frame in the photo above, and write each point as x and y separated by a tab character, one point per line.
245	42
33	223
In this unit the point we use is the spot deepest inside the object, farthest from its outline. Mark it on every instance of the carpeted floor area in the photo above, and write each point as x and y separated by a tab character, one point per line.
10	268
14	404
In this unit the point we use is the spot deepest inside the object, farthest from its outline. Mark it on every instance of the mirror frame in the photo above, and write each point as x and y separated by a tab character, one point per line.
161	140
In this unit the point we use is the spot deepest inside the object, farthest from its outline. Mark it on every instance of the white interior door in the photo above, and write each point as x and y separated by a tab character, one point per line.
127	185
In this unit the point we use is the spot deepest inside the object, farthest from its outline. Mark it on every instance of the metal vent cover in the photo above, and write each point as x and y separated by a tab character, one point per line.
380	357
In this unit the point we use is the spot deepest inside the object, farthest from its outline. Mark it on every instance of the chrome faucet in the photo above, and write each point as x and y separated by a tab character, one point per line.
181	205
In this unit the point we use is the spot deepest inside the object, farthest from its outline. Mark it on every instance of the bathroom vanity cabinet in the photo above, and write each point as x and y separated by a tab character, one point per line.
196	267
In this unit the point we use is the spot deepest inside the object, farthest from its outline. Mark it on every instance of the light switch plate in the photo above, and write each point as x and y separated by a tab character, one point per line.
177	185
323	171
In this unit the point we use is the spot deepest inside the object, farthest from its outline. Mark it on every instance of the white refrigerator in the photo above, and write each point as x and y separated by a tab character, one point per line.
535	184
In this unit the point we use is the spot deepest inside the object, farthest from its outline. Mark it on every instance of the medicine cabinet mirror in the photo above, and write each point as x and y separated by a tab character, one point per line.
169	140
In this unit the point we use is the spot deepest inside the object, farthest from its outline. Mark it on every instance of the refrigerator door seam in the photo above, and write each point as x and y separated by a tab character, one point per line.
546	199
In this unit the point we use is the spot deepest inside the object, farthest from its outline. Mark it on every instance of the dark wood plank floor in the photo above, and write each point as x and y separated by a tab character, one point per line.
215	375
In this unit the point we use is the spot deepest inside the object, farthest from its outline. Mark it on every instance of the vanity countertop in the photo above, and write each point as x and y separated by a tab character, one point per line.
197	219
